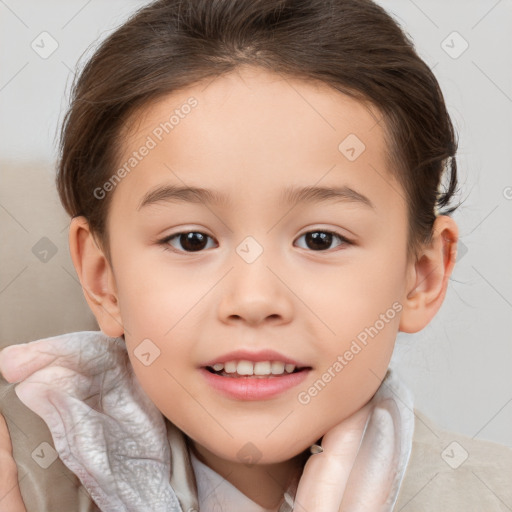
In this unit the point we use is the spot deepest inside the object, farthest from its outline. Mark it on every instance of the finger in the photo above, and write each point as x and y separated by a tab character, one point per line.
366	491
325	475
10	495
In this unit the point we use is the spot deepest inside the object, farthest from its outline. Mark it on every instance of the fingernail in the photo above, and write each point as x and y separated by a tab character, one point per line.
316	448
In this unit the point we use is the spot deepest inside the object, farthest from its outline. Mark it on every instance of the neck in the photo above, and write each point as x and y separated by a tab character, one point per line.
264	484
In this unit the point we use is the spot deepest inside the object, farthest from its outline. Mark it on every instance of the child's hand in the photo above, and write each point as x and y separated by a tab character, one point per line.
10	496
324	479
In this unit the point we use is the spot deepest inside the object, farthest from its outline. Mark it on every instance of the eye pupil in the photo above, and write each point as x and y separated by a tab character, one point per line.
193	241
319	239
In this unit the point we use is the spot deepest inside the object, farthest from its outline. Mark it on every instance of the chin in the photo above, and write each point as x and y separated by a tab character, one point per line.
252	453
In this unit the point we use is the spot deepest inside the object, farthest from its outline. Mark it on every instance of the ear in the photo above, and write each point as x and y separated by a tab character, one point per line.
428	276
96	277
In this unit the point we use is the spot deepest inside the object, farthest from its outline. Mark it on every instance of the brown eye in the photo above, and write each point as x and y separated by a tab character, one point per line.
191	241
322	240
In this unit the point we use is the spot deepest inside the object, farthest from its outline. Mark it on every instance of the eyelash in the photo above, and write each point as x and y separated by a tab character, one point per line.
165	241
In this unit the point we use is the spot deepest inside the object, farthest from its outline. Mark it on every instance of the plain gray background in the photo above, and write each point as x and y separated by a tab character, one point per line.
459	367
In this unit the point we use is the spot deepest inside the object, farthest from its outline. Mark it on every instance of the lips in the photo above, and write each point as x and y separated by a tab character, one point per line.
248	388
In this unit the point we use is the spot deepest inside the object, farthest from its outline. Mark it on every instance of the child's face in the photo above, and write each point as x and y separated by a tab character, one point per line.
251	136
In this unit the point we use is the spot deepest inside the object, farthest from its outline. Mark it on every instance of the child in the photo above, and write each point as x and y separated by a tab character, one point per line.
211	151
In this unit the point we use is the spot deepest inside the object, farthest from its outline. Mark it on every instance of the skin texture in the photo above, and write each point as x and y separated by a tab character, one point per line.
252	134
10	496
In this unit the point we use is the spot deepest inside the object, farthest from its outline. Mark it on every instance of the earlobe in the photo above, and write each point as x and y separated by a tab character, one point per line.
96	277
429	276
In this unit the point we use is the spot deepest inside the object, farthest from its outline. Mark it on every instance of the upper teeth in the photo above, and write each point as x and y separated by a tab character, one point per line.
249	368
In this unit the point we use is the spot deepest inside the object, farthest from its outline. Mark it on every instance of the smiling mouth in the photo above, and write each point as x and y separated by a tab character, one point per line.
235	375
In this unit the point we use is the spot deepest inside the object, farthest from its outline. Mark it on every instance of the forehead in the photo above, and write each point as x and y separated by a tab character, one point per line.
251	131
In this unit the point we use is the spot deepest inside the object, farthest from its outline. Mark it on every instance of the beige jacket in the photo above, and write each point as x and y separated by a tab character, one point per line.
446	472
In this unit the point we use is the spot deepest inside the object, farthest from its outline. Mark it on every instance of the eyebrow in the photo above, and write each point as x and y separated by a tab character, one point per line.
342	194
199	195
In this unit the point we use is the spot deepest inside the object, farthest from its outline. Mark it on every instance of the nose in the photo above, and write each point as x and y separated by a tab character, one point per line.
255	293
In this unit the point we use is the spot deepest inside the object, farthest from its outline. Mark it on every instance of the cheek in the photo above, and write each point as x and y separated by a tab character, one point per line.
154	299
351	372
360	309
354	296
164	365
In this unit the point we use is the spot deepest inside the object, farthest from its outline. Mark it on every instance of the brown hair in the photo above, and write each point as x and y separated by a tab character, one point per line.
353	46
